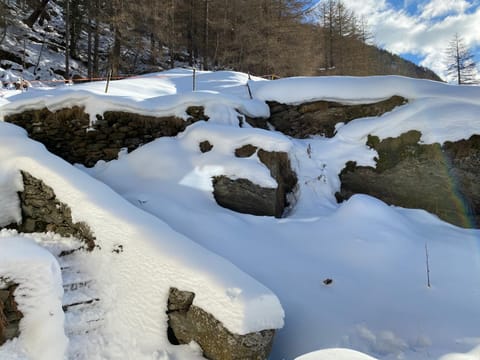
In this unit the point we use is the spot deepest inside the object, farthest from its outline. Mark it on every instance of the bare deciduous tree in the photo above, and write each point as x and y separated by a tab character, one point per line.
460	63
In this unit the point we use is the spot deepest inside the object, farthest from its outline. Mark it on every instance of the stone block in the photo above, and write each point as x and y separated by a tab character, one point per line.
193	323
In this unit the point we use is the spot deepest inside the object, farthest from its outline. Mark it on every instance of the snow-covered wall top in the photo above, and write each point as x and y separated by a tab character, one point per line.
224	93
160	94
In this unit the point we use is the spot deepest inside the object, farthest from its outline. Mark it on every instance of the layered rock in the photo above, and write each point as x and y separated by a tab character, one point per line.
442	179
42	212
69	134
244	196
188	322
320	117
10	316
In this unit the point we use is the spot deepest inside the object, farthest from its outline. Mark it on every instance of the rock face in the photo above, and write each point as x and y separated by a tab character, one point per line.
243	196
188	322
440	179
41	212
320	117
10	316
69	134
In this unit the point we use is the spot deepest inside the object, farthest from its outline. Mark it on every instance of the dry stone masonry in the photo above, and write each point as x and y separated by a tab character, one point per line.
42	212
188	322
10	316
69	134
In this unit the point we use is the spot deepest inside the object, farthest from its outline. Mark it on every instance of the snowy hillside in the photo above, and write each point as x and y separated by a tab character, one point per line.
347	275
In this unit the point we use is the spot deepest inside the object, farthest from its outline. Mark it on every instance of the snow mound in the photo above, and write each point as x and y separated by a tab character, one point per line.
38	296
335	354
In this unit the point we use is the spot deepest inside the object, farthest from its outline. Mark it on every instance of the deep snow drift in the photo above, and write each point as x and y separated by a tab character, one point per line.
378	302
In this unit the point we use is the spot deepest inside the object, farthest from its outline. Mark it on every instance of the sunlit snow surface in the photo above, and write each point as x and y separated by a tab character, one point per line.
378	302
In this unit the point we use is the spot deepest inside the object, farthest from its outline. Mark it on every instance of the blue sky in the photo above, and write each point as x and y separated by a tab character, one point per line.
421	30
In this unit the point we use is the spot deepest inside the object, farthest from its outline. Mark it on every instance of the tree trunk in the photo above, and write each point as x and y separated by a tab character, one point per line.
115	55
67	37
32	19
205	37
96	41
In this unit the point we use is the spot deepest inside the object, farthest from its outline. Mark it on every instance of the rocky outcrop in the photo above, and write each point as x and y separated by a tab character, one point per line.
188	322
69	134
10	316
320	117
244	196
440	179
42	212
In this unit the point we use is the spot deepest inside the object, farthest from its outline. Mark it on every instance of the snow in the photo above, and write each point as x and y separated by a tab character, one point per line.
174	234
38	297
158	94
153	259
335	354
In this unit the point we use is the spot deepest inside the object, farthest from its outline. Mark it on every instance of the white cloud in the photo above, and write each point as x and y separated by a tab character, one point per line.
436	8
426	34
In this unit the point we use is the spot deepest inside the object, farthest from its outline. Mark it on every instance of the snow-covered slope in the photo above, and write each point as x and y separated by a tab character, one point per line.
153	258
378	301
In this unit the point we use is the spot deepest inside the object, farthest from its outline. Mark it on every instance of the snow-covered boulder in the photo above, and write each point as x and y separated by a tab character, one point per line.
188	323
245	196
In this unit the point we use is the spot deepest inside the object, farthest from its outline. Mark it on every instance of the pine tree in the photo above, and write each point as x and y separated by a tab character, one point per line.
460	63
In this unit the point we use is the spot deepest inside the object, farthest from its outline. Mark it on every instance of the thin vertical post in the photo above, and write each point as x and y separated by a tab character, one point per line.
194	80
108	80
428	265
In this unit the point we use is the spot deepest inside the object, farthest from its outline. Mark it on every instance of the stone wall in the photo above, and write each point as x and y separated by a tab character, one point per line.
188	322
69	134
10	316
440	179
320	117
42	212
243	196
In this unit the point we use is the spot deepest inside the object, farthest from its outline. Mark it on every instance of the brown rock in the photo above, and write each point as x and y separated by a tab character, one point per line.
205	146
190	322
